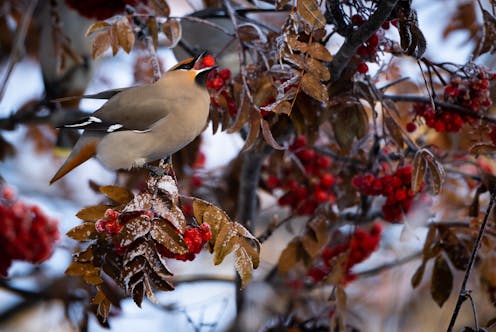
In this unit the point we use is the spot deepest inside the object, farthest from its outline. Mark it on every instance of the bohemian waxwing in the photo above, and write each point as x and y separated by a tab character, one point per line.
144	123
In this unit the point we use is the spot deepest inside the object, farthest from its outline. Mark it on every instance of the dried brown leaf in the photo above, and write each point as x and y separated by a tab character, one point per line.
114	39
394	130
101	43
125	34
311	86
442	281
418	275
225	242
489	33
419	167
205	212
160	7
117	194
97	27
244	266
173	31
93	213
309	10
319	52
482	149
318	69
84	232
253	130
134	229
152	27
349	121
289	256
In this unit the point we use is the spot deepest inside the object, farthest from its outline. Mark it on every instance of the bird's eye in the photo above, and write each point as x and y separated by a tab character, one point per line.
186	65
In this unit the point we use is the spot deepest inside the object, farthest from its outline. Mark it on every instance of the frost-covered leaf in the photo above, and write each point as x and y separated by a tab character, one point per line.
244	266
267	134
101	43
97	27
84	232
167	235
134	229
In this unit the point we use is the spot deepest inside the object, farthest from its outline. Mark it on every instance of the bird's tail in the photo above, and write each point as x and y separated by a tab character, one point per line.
84	149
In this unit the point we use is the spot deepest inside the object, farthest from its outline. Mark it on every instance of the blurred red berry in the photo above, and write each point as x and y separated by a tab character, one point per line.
208	61
362	68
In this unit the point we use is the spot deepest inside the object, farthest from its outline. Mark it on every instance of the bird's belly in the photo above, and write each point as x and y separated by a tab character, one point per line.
127	149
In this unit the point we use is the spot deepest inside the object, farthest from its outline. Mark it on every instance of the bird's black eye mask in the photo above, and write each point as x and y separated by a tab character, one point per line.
190	63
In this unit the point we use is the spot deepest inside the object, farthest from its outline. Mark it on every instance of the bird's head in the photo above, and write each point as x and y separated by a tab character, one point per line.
197	67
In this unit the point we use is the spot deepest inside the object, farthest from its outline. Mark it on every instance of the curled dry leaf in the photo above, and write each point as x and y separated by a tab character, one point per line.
349	121
424	158
319	52
125	34
267	134
489	33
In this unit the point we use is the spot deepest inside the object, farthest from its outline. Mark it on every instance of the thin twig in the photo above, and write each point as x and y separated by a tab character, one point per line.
18	48
400	261
462	296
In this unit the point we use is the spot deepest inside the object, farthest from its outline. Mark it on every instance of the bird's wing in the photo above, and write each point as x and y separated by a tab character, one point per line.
136	108
107	94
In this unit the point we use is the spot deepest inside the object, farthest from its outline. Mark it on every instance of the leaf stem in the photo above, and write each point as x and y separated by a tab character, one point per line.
463	294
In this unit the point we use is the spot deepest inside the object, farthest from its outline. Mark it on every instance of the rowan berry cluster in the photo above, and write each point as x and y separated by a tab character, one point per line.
395	187
360	245
26	233
100	9
368	50
471	93
109	223
195	238
314	189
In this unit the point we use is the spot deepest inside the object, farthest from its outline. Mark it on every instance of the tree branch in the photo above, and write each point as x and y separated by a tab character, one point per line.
464	293
447	106
357	38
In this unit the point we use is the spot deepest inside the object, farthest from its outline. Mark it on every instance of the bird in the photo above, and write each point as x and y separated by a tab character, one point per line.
141	124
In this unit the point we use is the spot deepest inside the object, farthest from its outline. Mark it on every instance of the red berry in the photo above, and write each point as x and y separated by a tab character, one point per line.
357	19
373	41
321	196
299	142
272	182
225	74
386	25
208	61
327	180
217	83
362	68
196	181
411	127
324	162
307	154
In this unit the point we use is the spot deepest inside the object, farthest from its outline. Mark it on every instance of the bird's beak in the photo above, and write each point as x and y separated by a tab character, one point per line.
198	58
206	69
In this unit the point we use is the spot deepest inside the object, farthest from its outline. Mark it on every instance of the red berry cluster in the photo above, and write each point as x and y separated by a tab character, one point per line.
26	233
221	94
314	189
100	9
471	93
396	188
195	238
368	50
358	247
109	223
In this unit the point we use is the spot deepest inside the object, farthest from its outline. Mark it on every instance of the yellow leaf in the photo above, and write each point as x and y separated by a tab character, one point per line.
117	194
